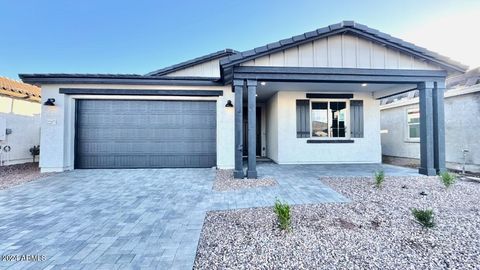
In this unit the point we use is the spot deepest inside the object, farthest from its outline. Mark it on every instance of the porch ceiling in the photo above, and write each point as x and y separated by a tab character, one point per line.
266	91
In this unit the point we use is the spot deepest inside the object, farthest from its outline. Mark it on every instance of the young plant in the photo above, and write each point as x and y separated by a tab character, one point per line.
283	214
448	179
379	178
424	217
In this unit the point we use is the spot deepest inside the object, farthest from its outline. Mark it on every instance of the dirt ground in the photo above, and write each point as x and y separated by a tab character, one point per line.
13	175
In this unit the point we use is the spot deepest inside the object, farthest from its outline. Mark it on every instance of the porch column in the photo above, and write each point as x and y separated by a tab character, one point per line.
439	126
238	88
252	124
426	129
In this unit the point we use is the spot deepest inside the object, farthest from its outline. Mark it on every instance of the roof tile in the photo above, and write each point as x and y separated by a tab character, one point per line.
12	86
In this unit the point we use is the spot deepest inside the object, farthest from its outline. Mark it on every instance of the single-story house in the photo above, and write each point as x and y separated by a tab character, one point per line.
19	121
400	123
308	99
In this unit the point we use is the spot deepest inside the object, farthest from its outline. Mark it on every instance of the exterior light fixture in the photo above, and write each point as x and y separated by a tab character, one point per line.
229	104
49	102
263	83
364	84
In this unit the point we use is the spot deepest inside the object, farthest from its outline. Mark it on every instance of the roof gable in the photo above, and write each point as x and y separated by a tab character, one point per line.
346	27
199	61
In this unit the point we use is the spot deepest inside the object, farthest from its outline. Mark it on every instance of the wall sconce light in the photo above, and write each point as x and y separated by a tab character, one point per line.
229	104
49	102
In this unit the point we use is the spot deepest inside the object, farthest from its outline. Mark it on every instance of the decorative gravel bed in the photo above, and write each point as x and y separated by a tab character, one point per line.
224	181
374	231
13	175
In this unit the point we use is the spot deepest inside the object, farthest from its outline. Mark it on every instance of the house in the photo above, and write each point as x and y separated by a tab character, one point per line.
308	99
399	120
19	121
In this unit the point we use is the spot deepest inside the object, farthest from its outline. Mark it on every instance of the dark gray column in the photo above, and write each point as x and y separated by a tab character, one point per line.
439	127
238	88
426	129
252	124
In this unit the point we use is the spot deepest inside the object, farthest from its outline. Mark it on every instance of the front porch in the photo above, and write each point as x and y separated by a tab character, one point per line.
315	171
347	100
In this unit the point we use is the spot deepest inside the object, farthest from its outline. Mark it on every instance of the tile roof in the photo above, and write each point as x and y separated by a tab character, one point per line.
18	89
27	77
469	78
63	78
345	26
192	62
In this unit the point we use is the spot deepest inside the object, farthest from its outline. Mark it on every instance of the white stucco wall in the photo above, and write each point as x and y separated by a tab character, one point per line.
462	126
58	122
272	128
23	118
285	148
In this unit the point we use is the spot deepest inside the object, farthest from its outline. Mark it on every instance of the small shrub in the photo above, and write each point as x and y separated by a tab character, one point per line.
35	151
448	179
283	214
424	217
379	178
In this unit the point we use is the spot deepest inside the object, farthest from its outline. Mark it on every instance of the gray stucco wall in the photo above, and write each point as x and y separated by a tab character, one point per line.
462	129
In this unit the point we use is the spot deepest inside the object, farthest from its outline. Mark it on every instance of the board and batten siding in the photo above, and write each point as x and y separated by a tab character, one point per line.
208	69
342	51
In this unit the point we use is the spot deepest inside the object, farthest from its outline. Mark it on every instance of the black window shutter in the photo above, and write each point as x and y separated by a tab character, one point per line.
303	118
356	118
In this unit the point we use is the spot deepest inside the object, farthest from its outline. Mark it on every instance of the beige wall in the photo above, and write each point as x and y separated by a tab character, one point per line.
208	69
23	118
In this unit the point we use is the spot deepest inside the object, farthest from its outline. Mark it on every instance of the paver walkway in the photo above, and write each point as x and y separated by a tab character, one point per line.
138	219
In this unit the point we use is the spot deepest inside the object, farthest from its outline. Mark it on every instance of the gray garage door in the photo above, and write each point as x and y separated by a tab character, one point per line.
145	134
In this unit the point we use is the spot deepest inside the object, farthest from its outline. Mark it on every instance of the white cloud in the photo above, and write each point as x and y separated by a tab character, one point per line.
455	35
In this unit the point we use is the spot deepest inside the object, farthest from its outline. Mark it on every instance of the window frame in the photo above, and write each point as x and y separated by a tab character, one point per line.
329	113
407	125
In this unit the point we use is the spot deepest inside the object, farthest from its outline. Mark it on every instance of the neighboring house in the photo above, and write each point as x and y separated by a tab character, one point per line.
400	123
19	121
309	99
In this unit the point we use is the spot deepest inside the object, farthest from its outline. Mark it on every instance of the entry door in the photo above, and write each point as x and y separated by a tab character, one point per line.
145	134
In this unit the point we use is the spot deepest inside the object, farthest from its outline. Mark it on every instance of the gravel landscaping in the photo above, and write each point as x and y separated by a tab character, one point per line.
13	175
224	181
374	231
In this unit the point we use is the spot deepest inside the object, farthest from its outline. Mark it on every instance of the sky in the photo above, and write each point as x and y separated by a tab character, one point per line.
135	37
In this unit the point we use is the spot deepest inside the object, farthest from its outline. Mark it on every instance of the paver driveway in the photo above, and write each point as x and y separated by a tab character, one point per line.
145	218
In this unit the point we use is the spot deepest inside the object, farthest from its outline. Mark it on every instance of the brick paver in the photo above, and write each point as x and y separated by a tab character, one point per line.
140	219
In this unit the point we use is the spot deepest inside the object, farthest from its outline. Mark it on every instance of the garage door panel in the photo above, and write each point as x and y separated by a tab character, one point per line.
142	134
199	133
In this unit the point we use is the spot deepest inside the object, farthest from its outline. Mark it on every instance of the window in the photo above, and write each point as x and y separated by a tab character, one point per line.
329	119
303	118
413	124
320	119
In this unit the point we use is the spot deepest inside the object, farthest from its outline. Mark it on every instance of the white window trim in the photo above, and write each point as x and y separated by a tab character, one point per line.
407	126
347	120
